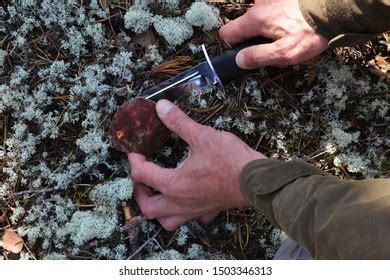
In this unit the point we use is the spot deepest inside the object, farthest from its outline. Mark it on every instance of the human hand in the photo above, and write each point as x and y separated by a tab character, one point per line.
204	184
295	41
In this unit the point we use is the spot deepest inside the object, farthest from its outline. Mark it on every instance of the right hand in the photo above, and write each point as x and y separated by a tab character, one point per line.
205	183
295	41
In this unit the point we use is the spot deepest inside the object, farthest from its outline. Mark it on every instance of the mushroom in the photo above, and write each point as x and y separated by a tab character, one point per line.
136	127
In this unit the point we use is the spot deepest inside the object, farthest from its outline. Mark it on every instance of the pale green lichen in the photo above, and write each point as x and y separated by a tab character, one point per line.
87	225
112	192
138	19
153	55
17	212
75	43
182	235
175	30
203	15
3	55
169	5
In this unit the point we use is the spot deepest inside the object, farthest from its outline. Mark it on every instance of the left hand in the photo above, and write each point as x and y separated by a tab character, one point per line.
206	183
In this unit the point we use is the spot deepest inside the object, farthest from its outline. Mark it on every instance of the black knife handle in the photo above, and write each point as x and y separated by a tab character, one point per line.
225	63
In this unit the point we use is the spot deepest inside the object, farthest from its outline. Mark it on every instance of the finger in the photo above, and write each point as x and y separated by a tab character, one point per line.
154	205
278	53
240	29
148	173
173	222
177	121
141	193
145	200
207	218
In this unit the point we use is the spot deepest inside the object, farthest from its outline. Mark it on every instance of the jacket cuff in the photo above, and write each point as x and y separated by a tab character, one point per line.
261	180
343	22
315	15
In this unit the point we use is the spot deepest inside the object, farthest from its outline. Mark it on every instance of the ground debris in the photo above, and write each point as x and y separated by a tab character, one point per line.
61	93
380	66
12	241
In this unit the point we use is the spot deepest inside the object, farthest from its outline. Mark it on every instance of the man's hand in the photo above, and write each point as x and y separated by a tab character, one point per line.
295	41
206	183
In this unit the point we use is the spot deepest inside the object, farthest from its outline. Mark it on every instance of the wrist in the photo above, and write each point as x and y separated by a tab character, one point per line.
243	201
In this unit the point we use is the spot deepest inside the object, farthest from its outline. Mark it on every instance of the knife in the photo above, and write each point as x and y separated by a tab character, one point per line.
218	70
136	127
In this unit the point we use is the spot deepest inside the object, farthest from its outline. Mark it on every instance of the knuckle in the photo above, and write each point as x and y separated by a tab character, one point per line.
283	46
287	52
256	57
284	53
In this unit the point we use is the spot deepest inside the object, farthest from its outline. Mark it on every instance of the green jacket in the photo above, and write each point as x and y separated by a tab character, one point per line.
332	218
347	22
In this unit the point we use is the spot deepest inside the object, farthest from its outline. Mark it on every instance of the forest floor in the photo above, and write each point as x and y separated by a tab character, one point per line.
57	161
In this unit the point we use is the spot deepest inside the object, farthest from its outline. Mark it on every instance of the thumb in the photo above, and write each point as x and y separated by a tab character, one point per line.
177	121
260	56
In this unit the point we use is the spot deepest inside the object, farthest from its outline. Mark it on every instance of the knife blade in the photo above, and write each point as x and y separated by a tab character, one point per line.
182	85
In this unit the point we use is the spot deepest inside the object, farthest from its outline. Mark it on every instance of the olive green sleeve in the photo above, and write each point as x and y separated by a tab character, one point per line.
347	22
332	218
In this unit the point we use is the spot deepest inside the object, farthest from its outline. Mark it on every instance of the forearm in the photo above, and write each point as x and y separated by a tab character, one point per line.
347	22
332	218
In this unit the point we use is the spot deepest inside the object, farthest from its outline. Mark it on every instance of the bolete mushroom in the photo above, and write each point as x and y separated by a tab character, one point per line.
136	127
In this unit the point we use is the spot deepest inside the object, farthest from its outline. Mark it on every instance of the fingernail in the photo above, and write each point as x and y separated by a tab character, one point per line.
240	60
163	107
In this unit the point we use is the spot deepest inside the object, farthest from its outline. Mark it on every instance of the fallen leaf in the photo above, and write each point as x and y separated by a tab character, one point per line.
380	66
12	241
145	39
381	61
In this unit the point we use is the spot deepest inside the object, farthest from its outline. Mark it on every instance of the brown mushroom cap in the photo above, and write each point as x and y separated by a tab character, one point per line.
136	127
